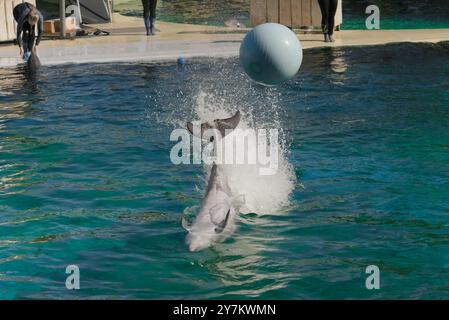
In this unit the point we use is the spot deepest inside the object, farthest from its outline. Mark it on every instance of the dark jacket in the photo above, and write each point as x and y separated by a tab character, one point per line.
21	12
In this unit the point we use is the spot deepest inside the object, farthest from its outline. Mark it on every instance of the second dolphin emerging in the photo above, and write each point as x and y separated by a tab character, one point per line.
33	62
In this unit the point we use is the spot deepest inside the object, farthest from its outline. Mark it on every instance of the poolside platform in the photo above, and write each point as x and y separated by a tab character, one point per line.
127	42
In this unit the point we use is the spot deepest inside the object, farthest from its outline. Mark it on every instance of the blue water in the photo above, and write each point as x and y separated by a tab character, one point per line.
404	14
85	179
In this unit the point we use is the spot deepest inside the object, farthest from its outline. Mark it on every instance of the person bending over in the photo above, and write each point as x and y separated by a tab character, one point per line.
27	17
149	16
328	10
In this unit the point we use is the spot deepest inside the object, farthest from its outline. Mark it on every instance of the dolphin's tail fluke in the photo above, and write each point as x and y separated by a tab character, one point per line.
224	126
227	125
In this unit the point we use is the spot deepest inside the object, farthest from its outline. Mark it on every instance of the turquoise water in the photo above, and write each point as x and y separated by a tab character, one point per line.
405	14
393	23
212	12
85	179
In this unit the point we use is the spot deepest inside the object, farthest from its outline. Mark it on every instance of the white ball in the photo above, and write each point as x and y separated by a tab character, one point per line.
271	53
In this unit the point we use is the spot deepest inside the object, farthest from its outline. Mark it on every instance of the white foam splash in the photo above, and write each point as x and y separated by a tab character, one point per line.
260	109
264	194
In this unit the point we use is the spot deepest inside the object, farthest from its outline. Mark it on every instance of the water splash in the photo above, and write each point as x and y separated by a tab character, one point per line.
263	194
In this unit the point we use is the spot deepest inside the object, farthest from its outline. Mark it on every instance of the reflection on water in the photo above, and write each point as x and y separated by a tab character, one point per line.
14	82
11	80
12	110
12	178
338	63
244	264
18	79
339	66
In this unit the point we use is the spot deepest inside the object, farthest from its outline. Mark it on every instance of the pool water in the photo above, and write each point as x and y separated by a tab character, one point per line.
211	12
406	14
86	179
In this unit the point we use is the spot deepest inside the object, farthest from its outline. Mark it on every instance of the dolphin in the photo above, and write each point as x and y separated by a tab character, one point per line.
33	62
219	207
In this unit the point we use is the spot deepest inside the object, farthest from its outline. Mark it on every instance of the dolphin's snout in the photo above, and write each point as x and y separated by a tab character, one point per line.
198	241
194	247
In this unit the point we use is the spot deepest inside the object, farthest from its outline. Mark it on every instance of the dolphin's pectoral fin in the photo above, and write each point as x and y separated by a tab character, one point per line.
222	225
185	224
228	124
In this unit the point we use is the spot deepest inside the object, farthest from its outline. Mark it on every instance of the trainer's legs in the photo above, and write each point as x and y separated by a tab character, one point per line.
324	6
26	34
332	11
153	4
146	14
31	39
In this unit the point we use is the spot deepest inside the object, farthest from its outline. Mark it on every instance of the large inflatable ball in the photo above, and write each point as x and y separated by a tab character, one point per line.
271	53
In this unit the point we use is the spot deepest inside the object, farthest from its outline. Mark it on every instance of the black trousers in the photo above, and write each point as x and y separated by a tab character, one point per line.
328	10
28	36
149	9
28	32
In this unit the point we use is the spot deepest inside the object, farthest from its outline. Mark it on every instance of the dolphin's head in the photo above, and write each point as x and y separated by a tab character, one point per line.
33	62
210	228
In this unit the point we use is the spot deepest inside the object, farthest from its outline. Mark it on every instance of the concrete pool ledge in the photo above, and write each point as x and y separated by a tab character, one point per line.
127	43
